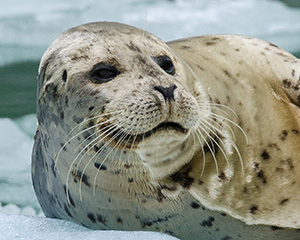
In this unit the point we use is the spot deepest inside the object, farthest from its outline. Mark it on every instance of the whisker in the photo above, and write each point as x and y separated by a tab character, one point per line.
95	133
77	156
210	149
230	140
220	110
207	125
76	135
95	117
115	148
114	127
232	122
109	128
203	152
223	106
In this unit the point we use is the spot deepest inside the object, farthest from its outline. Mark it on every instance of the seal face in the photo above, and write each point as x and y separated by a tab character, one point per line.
134	133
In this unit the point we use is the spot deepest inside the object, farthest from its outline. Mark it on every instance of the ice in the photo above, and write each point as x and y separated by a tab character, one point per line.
39	228
15	160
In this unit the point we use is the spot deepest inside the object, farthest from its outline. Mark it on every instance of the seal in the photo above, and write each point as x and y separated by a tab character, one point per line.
197	138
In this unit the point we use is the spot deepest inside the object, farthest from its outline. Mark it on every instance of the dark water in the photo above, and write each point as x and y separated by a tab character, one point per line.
18	83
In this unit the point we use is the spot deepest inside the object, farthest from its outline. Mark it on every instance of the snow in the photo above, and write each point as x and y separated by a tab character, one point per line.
22	227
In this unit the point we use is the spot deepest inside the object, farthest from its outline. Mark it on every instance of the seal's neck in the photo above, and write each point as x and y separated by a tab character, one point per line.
164	159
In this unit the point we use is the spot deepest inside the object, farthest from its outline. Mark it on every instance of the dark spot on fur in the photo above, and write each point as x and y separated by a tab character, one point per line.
130	180
67	211
127	165
208	43
295	131
285	164
69	195
212	41
227	73
273	45
148	222
67	100
262	53
208	222
53	168
195	205
184	47
100	166
262	176
133	47
226	238
145	223
222	176
160	197
256	166
284	201
54	93
83	177
91	108
223	214
265	155
96	148
91	217
183	177
201	68
293	72
119	220
86	135
283	135
200	182
286	83
211	146
64	76
101	219
253	209
143	61
274	145
274	228
228	99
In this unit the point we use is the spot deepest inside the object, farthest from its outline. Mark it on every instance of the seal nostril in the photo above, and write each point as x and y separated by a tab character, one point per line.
168	92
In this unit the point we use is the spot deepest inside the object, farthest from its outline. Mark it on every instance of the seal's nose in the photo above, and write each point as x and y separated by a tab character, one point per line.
167	92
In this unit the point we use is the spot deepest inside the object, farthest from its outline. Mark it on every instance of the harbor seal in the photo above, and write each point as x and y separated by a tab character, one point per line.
197	138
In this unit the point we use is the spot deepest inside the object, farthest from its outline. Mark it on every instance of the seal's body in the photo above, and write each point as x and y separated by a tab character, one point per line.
136	134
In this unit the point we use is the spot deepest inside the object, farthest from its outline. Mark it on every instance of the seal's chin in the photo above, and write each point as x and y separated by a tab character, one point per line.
123	140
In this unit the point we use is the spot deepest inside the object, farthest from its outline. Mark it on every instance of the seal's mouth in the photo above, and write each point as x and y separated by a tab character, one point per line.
120	139
165	126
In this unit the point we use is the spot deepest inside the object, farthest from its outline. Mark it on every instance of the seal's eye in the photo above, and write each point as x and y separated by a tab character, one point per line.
165	63
103	72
